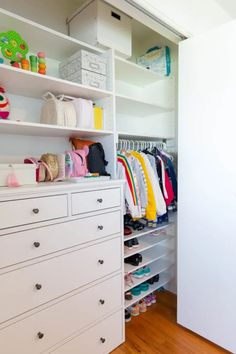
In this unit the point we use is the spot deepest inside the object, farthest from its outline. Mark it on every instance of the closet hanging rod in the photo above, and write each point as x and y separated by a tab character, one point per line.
128	144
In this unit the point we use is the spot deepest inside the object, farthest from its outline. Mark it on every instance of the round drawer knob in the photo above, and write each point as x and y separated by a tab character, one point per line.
38	286
101	261
40	335
103	340
102	302
35	210
36	244
99	200
100	227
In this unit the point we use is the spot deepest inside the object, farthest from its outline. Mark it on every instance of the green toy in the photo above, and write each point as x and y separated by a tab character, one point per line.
13	47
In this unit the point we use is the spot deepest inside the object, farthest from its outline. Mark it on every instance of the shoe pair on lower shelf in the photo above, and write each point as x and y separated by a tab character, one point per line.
132	243
154	279
134	260
139	307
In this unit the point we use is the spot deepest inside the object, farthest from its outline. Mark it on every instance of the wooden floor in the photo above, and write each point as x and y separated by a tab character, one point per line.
156	332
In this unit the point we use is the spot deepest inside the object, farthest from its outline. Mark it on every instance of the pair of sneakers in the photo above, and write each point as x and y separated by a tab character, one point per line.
142	272
132	243
150	299
134	260
135	309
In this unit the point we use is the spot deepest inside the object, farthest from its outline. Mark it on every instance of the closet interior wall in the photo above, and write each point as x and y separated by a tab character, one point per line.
141	104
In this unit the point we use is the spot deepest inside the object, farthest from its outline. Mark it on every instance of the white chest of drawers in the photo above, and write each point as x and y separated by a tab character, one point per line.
61	272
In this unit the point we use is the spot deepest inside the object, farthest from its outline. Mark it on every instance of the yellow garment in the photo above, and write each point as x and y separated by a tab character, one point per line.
151	209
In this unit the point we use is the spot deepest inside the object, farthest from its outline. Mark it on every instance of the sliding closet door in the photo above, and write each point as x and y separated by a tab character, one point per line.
207	186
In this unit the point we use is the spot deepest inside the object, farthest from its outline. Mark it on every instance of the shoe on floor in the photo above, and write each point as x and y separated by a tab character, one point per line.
138	274
135	310
127	316
153	298
135	242
142	306
148	301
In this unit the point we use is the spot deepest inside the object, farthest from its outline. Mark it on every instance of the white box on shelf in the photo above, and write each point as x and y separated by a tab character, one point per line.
25	173
83	60
100	24
87	78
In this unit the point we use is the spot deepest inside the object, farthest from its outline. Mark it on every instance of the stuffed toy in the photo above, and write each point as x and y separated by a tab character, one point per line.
4	105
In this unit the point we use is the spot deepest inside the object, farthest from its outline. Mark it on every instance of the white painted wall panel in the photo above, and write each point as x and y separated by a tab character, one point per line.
207	188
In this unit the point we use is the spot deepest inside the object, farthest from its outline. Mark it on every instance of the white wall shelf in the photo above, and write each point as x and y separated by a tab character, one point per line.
135	74
56	45
164	279
146	231
37	129
146	242
156	267
30	84
135	107
149	256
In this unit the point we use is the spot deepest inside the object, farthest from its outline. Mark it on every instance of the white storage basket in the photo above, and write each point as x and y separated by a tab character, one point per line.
25	173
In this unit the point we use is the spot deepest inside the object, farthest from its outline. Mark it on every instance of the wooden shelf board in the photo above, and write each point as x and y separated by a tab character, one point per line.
37	129
56	45
135	74
127	105
30	84
164	279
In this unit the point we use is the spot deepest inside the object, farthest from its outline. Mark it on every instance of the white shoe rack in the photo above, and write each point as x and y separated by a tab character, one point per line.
156	245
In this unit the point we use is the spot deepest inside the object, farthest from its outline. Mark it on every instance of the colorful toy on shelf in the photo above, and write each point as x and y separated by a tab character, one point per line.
13	47
25	64
41	63
33	63
15	64
4	105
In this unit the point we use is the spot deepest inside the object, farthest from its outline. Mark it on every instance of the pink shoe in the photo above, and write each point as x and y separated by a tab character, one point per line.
148	301
153	298
142	306
134	310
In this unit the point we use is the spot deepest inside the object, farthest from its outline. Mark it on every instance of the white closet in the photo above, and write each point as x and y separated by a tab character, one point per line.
140	105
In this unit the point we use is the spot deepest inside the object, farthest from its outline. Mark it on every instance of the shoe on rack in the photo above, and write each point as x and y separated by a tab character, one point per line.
135	242
128	295
133	260
138	273
136	291
148	301
140	257
142	306
127	231
150	281
128	244
153	298
134	310
146	271
144	286
128	280
127	316
156	278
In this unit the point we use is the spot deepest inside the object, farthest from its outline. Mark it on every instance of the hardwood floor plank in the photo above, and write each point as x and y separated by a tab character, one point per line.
156	332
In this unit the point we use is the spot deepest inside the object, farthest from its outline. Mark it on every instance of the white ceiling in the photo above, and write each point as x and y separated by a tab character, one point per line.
229	6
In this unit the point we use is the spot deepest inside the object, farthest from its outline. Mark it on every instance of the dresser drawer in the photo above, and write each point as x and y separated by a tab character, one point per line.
25	245
62	319
85	202
100	339
28	211
26	288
